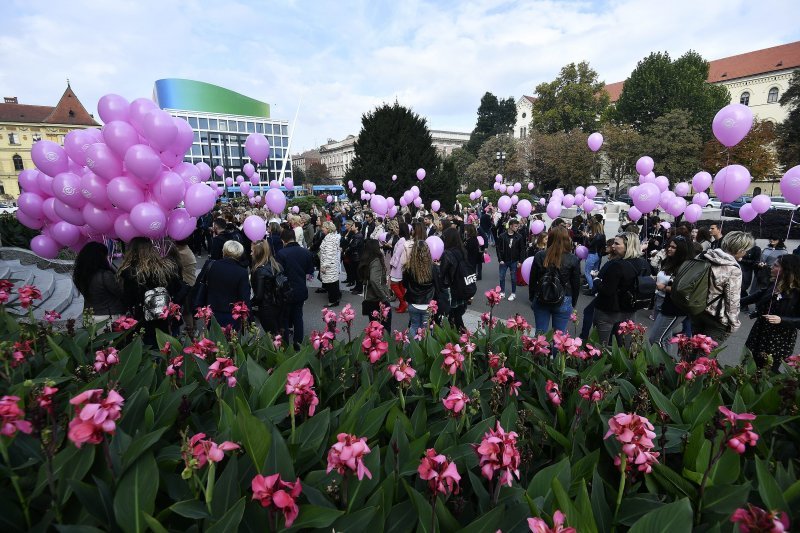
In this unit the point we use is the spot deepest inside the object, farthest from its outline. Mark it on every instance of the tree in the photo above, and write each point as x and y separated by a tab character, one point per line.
622	147
575	99
788	131
674	144
317	173
560	160
480	174
495	117
659	85
394	140
755	152
298	175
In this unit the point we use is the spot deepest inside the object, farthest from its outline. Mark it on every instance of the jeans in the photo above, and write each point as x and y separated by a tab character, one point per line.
605	321
543	314
506	266
663	329
588	317
293	319
417	318
592	263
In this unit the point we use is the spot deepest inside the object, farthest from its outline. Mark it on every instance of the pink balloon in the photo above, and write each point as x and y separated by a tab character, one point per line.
646	198
537	226
761	203
219	171
295	209
102	161
149	219
591	192
183	141
251	193
504	204
170	158
662	182
418	201
701	181
731	182
541	201
27	220
421	174
666	197
582	252
676	206
245	187
31	204
517	187
255	179
257	148
700	199
514	199
28	181
112	107
553	209
289	184
732	123
498	178
68	213
394	177
44	246
378	204
49	157
634	213
644	165
436	246
75	144
49	211
205	171
168	190
524	208
526	269
579	199
435	205
137	112
160	129
255	228
189	172
392	212
99	219
595	141
588	205
747	213
94	189
530	186
65	233
124	228
119	136
67	188
790	185
199	200
682	188
568	201
275	200
248	169
239	179
143	162
329	199
124	193
228	181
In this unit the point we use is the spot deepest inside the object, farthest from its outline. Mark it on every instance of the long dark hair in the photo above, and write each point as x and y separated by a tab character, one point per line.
92	258
671	263
372	251
452	240
402	230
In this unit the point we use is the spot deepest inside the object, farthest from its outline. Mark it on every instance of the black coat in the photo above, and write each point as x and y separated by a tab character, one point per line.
264	287
297	264
569	274
353	246
228	283
418	293
617	277
510	248
474	255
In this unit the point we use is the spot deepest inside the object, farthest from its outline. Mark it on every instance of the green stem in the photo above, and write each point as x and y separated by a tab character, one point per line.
433	513
212	477
15	482
622	478
291	414
402	400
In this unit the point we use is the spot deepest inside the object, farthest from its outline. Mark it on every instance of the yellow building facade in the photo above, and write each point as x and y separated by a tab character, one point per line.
21	125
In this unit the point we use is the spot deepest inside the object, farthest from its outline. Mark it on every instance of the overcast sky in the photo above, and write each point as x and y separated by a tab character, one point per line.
344	58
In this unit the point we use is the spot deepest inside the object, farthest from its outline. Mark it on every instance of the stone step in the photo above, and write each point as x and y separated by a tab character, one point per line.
60	299
22	276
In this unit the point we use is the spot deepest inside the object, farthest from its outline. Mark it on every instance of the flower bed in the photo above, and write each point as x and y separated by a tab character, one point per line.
371	431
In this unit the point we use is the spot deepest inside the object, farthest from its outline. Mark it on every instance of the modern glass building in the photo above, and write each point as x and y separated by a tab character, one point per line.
222	119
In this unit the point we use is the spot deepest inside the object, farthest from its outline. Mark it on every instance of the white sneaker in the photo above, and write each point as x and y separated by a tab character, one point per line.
502	295
512	297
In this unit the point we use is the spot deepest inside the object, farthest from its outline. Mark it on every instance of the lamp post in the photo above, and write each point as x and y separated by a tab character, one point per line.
501	158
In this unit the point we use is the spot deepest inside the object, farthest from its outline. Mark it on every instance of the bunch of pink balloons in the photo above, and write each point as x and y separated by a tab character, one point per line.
123	180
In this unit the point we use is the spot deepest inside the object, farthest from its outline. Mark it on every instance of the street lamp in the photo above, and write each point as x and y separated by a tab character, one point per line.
501	158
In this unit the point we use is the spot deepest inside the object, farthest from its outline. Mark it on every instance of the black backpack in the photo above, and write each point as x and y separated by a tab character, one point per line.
550	290
640	293
464	286
284	292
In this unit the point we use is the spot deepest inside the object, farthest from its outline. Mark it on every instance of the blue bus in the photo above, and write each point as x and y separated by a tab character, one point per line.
337	191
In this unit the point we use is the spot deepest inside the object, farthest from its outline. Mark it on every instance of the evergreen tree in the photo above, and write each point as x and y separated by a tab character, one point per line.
575	99
480	174
659	85
675	145
394	140
788	131
495	117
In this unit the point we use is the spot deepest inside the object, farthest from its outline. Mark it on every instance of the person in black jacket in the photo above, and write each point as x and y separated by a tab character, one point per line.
774	332
474	249
595	239
617	278
352	248
749	265
265	294
223	232
297	265
557	257
419	282
227	283
510	250
454	254
96	280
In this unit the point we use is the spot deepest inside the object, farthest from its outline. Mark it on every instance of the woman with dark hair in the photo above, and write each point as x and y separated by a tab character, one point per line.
775	249
474	249
420	286
557	259
703	238
400	252
595	239
454	254
669	318
95	279
372	273
149	283
774	332
263	280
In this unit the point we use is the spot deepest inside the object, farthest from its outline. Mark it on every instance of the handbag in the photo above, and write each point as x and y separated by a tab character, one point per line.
201	293
370	306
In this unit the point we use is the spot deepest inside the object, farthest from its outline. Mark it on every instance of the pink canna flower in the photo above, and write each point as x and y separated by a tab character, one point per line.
401	337
174	367
536	345
518	323
629	327
591	393
453	358
278	495
124	323
373	345
740	436
5	290
505	376
537	525
222	368
566	344
105	359
756	520
574	316
20	351
442	475
45	398
493	296
171	310
12	417
202	348
347	454
240	310
204	314
695	345
488	321
433	307
402	371
166	349
200	451
94	416
347	315
793	361
322	341
635	433
498	452
553	393
27	294
420	334
494	360
701	366
455	401
277	342
52	316
328	315
301	384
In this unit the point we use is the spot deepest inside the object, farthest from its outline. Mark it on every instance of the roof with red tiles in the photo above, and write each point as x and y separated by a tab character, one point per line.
69	110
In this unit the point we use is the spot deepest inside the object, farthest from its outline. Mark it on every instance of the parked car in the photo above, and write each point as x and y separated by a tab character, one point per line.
714	203
625	198
780	203
731	209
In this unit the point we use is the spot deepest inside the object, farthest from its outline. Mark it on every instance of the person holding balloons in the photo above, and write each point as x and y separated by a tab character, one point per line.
596	243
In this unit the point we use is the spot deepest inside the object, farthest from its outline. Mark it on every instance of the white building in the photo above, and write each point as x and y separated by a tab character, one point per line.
447	141
306	159
523	124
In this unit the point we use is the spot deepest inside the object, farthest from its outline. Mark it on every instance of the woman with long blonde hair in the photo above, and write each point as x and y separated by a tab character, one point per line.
418	280
263	275
555	275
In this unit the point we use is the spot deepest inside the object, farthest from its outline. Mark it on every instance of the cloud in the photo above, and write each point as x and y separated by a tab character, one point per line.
342	59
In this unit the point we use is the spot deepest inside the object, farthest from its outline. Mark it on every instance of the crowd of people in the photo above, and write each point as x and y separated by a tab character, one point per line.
390	263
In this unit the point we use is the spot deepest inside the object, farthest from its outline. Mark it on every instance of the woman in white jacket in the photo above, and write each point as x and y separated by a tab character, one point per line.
329	258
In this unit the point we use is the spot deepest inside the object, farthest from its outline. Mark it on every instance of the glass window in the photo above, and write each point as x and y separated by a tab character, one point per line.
259	127
772	97
745	98
251	127
17	162
193	122
271	140
268	129
212	124
215	151
196	150
205	151
203	123
223	125
196	136
203	137
36	137
242	127
13	138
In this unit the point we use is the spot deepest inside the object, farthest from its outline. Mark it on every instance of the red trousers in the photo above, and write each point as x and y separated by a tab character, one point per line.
400	292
